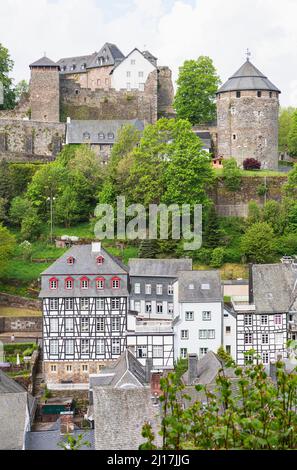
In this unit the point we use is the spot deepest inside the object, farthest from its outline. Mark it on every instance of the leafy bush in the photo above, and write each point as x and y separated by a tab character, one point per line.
232	175
19	348
217	257
251	164
203	255
28	352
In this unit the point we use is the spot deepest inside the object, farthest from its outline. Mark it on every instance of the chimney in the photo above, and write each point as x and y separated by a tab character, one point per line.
67	423
149	365
193	365
156	384
251	285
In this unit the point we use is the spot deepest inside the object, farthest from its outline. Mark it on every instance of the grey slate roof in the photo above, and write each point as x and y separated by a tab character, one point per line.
7	385
158	267
149	56
207	370
13	419
199	286
111	56
205	137
248	77
119	417
273	286
112	375
77	130
44	62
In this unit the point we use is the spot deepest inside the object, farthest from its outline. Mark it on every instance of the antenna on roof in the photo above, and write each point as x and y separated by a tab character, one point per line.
248	54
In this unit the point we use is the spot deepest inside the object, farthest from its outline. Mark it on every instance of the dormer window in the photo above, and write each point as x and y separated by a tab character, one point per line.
84	283
69	283
100	260
205	286
101	136
191	287
110	136
64	68
53	283
73	67
70	260
84	66
100	283
116	283
86	136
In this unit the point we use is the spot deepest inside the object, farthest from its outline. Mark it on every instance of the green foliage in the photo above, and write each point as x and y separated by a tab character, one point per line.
47	394
71	442
262	189
212	233
223	355
198	83
18	210
19	348
127	139
6	182
3	210
6	66
67	207
32	226
217	257
285	122
148	249
254	213
231	175
258	243
292	137
21	176
290	188
26	250
21	90
248	412
287	244
7	245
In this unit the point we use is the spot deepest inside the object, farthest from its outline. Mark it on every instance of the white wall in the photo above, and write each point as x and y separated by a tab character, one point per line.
230	338
119	77
194	344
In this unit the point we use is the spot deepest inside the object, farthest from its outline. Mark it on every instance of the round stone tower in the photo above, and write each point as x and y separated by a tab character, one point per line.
247	108
45	91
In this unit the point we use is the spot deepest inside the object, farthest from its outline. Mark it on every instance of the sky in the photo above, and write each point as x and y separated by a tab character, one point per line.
173	30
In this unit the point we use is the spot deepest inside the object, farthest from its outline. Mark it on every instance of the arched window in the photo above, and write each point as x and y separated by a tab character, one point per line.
69	283
70	260
116	283
100	283
53	283
84	283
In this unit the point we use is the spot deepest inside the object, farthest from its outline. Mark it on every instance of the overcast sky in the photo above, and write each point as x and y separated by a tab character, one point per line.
173	30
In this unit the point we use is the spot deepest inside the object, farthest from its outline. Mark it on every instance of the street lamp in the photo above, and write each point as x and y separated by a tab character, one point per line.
52	200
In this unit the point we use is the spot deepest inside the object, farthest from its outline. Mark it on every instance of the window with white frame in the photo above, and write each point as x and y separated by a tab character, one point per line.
84	304
184	334
203	352
54	304
159	307
141	86
228	330
228	349
133	61
140	74
137	306
248	320
85	346
264	319
248	338
279	338
189	316
116	346
206	316
170	289
116	324
84	322
148	307
99	304
278	319
85	368
248	359
54	325
148	289
170	309
128	74
53	284
265	338
100	325
68	369
69	325
265	357
69	347
159	289
54	347
69	304
53	368
100	347
137	289
115	304
100	284
184	353
142	351
116	283
85	284
69	284
158	352
207	334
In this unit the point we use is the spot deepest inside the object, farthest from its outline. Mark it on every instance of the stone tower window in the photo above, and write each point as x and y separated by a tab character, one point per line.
238	94
270	94
259	94
234	137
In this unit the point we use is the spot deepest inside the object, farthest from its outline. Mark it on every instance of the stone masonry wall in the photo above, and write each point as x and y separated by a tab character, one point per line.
248	127
165	93
19	302
76	375
45	94
21	324
29	141
83	104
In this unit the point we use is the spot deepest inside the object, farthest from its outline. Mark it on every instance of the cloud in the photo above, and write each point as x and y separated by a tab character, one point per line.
174	30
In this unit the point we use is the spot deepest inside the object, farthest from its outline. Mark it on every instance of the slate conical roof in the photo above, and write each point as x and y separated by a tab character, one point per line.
248	77
44	62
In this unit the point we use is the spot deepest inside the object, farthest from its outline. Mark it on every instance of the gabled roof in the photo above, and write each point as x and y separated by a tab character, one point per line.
158	267
130	53
8	385
44	62
274	287
99	131
199	286
248	77
110	54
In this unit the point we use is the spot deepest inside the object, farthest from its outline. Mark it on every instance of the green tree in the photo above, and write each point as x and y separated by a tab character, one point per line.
198	83
67	207
212	233
21	90
231	174
148	249
258	243
274	214
32	226
3	210
285	122
290	188
18	210
254	213
217	257
72	442
7	245
6	66
6	181
292	137
127	139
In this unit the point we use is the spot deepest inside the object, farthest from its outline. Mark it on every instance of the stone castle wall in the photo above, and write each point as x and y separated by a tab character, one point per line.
165	93
76	375
45	94
29	141
248	127
84	104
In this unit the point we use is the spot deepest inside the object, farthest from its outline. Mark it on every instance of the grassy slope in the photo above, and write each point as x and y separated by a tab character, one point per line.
18	312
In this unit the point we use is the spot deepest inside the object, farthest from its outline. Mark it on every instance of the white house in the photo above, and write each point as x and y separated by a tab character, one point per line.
132	73
230	332
198	310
